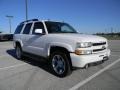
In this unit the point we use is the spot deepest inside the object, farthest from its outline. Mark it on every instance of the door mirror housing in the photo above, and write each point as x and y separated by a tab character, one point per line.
38	31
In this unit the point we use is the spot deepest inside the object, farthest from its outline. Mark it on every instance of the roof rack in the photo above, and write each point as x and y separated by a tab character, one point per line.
29	20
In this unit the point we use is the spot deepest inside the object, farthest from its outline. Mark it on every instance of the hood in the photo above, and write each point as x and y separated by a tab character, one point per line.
80	37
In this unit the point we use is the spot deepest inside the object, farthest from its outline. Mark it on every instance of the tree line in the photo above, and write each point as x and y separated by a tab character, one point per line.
112	34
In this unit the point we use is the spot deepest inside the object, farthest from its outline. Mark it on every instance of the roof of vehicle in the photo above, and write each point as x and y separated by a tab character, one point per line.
36	20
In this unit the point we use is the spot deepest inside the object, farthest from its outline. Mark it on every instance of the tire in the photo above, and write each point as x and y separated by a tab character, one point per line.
59	64
18	50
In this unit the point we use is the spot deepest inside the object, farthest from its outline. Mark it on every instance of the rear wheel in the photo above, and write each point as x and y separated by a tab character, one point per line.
60	64
18	52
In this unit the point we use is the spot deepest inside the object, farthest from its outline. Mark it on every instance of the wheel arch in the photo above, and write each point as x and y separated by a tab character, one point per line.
62	49
17	43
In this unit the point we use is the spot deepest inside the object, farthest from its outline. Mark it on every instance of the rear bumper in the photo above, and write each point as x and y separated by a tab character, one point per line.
82	60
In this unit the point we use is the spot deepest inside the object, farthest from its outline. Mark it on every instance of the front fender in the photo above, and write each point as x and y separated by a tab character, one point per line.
58	44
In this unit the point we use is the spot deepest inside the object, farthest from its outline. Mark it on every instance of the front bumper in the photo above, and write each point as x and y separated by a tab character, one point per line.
82	60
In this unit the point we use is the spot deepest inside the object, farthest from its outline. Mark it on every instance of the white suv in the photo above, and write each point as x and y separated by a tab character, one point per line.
60	44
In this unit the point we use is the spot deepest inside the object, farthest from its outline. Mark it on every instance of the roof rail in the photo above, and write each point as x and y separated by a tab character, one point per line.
29	20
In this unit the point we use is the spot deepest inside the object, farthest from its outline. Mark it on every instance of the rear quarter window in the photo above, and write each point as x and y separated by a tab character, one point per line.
18	29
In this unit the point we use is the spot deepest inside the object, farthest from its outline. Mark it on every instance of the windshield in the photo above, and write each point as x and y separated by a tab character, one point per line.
58	27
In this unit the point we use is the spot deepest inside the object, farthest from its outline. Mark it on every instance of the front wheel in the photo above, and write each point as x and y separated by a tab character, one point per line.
60	64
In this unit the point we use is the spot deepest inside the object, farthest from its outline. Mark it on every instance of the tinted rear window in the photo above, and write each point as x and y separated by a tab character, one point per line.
27	28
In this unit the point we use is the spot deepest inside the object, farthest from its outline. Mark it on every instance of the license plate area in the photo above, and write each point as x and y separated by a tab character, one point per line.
105	58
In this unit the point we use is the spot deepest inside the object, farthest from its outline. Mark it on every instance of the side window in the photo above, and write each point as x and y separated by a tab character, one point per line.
18	29
38	25
27	28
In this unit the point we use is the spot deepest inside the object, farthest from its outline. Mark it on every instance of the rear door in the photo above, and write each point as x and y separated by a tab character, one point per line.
26	35
36	42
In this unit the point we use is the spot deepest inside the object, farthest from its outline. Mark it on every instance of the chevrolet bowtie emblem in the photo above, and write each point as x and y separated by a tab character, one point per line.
103	47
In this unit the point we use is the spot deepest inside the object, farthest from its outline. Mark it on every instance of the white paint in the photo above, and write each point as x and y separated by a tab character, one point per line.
94	75
14	66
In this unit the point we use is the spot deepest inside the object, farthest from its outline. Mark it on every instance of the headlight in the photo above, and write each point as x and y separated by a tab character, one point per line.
83	52
83	45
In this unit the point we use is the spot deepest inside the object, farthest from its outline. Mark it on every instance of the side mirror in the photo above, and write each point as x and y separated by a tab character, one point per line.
38	31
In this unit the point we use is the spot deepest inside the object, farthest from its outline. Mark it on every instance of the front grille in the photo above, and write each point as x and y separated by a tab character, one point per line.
97	44
97	50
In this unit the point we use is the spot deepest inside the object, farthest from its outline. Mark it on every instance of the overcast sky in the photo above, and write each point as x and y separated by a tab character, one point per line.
87	16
